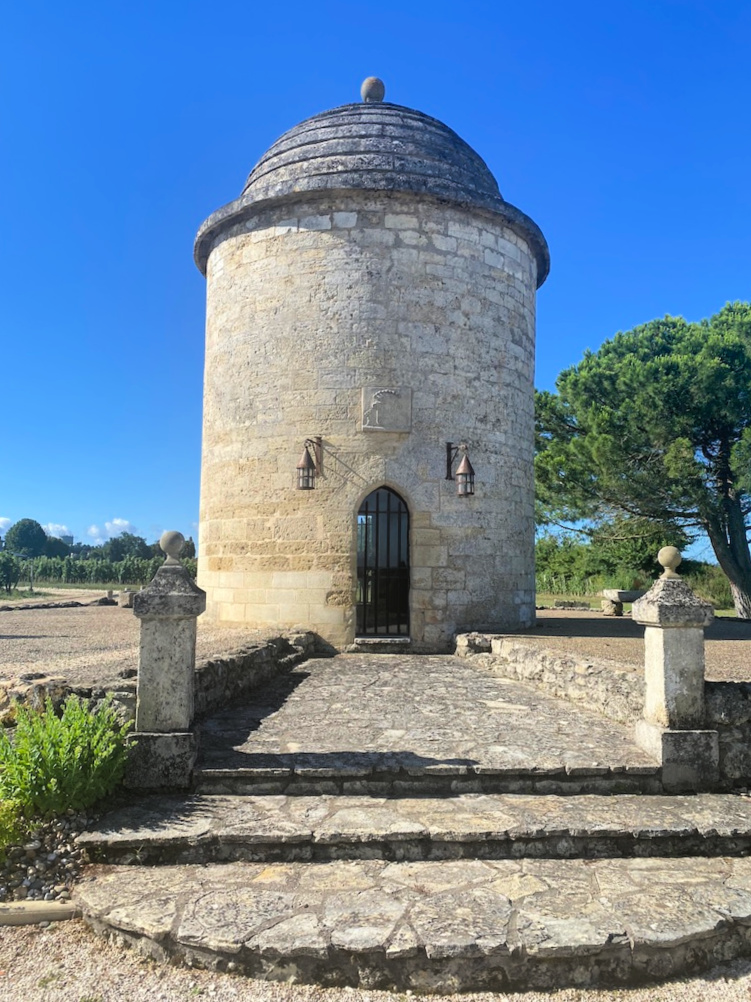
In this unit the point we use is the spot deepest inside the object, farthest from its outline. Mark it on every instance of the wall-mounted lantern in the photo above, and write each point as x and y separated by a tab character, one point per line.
309	466
465	474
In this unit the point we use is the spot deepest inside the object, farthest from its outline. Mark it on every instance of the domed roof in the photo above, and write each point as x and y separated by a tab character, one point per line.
376	146
373	146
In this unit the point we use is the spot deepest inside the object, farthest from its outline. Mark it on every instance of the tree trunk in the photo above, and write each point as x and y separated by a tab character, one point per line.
732	552
741	601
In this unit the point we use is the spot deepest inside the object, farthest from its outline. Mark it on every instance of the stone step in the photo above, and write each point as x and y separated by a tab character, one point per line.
434	926
205	829
388	725
389	775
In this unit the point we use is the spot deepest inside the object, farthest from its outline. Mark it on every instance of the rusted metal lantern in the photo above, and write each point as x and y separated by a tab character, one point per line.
309	466
465	478
465	474
306	472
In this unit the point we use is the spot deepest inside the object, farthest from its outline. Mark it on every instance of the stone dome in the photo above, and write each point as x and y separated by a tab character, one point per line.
374	146
371	146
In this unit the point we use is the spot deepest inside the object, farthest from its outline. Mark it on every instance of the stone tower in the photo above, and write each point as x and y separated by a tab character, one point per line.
370	308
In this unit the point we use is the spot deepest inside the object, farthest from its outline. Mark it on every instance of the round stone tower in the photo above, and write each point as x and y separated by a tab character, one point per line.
370	341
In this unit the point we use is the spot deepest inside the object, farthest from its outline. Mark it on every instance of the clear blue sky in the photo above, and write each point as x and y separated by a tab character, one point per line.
622	128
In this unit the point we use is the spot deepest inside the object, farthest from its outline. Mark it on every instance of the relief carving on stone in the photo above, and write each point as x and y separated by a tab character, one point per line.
386	408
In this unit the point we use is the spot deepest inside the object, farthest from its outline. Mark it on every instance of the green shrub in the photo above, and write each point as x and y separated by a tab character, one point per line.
563	584
55	763
710	583
12	828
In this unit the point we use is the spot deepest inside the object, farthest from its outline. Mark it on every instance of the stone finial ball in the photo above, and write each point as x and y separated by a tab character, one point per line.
669	557
172	543
372	90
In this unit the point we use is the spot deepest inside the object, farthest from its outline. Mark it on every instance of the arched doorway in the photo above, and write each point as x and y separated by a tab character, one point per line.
383	565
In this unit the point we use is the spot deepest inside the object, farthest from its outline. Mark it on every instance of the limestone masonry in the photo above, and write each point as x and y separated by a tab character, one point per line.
371	288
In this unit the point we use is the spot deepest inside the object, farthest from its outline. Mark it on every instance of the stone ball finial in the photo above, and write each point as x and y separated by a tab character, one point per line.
669	557
172	544
372	90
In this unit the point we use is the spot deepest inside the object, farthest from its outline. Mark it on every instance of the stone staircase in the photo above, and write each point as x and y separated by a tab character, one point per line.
409	822
218	829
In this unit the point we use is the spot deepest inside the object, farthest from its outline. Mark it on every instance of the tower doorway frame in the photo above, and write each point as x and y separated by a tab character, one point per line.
383	565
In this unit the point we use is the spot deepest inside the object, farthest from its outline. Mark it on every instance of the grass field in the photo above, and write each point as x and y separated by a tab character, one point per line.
548	600
16	594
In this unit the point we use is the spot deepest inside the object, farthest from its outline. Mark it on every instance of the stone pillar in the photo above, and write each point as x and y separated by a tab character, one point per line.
672	729
163	747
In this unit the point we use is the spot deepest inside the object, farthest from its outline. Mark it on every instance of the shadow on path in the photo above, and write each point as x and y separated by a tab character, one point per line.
236	724
341	763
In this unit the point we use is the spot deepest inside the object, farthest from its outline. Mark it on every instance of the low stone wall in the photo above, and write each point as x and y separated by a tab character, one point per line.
217	681
31	689
617	694
220	681
728	709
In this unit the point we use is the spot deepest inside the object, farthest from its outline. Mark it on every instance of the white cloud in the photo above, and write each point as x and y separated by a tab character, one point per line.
118	525
55	529
100	534
5	523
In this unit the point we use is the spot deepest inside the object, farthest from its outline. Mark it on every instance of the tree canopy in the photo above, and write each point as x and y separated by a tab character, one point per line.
126	545
656	425
55	547
26	537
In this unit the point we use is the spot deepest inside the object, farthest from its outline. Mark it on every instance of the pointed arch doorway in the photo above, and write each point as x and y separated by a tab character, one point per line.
383	565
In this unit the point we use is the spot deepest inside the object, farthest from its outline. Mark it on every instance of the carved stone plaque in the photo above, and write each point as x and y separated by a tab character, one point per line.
386	408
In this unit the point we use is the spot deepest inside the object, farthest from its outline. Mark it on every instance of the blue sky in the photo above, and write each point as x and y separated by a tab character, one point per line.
621	128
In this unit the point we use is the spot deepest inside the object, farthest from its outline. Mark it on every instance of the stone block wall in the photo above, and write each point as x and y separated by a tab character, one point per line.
310	301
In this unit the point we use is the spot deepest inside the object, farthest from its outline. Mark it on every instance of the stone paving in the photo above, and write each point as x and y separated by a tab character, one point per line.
434	926
200	829
359	715
424	893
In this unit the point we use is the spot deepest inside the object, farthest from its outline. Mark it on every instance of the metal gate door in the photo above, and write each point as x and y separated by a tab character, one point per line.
383	565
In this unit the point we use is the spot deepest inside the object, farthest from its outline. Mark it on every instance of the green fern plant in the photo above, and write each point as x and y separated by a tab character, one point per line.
55	763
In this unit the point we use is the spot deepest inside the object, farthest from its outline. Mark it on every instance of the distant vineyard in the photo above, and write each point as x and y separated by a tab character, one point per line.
69	570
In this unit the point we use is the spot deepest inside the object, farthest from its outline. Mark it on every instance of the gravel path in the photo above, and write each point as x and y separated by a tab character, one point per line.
67	962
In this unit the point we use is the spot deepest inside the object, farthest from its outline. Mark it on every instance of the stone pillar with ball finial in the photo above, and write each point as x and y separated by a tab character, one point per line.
672	727
162	747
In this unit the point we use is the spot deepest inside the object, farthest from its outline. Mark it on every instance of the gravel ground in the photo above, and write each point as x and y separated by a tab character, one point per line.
90	645
47	863
46	593
67	962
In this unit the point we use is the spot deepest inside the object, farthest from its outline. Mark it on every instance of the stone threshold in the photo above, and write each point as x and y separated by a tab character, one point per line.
466	925
386	641
206	829
380	645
